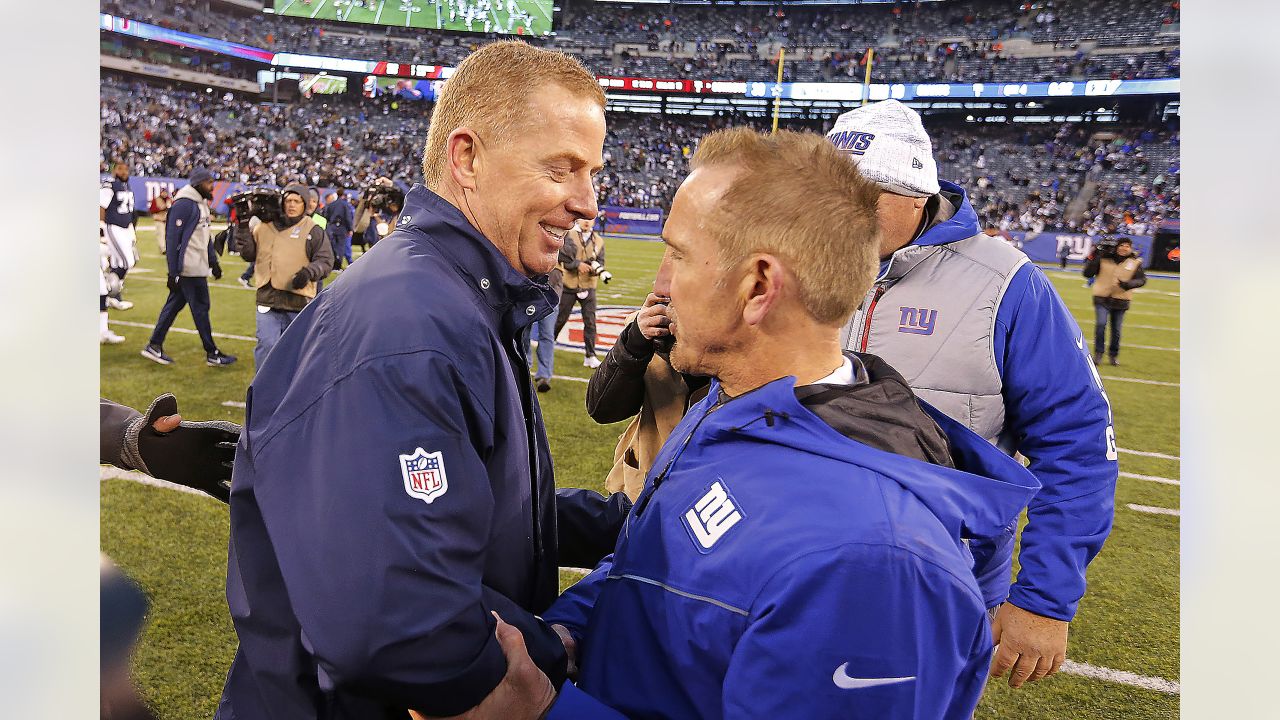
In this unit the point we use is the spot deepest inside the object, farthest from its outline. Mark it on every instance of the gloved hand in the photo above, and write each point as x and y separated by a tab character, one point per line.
301	279
172	282
217	272
1125	285
198	455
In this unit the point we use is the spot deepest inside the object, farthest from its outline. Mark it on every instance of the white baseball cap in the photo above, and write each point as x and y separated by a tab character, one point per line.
888	142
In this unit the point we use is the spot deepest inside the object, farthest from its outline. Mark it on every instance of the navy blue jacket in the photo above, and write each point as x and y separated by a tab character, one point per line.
774	568
362	573
341	216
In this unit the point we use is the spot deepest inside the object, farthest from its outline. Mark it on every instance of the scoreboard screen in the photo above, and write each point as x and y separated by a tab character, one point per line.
508	17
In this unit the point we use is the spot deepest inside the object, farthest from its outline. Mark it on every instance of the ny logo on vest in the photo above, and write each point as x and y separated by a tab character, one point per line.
712	516
917	321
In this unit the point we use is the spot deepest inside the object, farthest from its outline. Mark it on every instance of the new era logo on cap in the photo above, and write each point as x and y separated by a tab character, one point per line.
915	163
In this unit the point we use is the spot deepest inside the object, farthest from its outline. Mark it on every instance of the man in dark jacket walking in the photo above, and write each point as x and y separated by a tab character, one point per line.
1117	272
341	219
290	256
363	581
191	260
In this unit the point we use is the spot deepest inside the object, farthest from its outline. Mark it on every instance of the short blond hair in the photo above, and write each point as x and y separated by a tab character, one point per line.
489	92
796	197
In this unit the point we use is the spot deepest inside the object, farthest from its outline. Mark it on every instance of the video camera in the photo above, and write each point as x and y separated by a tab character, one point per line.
263	203
379	197
1106	245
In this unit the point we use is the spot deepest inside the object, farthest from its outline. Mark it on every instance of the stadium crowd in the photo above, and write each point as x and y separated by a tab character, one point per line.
1019	178
927	42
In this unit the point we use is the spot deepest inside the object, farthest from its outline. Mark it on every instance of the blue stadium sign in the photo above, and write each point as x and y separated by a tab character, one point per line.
966	91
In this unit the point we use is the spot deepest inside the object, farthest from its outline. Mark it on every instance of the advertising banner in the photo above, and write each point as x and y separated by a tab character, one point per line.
1043	247
632	221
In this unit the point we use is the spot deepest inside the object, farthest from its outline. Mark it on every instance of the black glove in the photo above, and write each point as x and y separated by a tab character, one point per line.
217	271
172	282
196	454
1125	285
300	279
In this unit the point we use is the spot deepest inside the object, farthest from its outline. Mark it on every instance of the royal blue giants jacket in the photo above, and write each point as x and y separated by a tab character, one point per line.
393	486
773	568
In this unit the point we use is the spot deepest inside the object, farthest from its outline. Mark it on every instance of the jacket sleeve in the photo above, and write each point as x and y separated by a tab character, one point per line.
248	241
1091	265
320	252
574	704
348	216
1060	418
113	422
864	632
588	524
616	389
386	586
178	228
1138	280
573	608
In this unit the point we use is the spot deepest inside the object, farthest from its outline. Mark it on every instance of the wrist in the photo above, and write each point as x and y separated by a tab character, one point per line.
635	342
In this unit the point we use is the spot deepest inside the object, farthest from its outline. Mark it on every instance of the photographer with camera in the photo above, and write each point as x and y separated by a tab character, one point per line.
377	213
290	255
191	259
582	261
1117	272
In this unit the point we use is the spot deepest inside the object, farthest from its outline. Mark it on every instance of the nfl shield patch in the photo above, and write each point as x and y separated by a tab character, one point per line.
424	476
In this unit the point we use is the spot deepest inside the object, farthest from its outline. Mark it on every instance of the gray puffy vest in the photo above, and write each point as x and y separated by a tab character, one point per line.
932	315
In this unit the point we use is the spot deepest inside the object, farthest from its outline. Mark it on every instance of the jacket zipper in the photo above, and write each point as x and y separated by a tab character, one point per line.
644	502
866	324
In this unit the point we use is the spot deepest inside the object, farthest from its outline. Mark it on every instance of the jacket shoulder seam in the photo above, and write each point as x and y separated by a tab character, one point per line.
352	371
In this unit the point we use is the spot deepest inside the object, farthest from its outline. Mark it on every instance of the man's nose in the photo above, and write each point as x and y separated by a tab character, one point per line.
583	201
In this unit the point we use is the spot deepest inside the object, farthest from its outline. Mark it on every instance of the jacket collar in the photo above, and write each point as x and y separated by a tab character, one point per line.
519	300
191	193
951	219
979	498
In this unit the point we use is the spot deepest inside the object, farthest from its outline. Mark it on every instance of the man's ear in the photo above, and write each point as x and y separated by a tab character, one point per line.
762	287
462	157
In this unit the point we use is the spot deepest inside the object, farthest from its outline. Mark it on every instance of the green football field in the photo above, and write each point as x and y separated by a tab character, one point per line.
1124	642
526	17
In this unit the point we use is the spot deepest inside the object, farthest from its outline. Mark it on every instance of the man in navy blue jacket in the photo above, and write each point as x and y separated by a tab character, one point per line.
799	548
191	259
361	579
341	217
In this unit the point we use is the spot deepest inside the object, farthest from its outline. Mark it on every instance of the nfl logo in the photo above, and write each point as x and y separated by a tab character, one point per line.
424	476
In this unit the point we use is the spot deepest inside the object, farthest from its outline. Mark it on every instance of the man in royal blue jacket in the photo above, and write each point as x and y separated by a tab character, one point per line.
799	548
361	578
980	333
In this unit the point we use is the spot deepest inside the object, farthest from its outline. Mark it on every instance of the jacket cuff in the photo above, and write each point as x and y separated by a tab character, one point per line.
1034	602
639	348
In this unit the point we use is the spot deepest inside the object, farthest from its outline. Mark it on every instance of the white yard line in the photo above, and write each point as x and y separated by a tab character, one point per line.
1144	453
1071	667
1140	380
1136	476
1151	347
576	571
567	377
115	473
165	280
318	8
1151	510
127	323
377	18
233	404
1087	324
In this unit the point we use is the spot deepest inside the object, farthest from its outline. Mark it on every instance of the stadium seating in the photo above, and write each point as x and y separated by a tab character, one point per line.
926	42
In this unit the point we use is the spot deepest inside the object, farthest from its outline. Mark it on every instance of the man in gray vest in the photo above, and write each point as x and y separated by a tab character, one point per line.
980	333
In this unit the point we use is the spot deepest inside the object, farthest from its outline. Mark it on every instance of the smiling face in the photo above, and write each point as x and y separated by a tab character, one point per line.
530	189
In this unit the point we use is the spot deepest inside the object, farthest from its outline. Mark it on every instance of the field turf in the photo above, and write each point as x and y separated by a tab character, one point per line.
175	543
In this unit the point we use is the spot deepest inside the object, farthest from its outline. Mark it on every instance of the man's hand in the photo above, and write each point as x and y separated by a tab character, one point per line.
584	268
217	272
570	649
1033	645
172	282
198	455
652	320
300	279
525	693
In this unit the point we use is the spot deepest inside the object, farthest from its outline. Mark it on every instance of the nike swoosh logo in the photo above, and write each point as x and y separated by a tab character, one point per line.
843	681
1080	342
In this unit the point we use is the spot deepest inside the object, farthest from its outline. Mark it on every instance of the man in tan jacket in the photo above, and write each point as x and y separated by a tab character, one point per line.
290	256
582	261
1118	272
